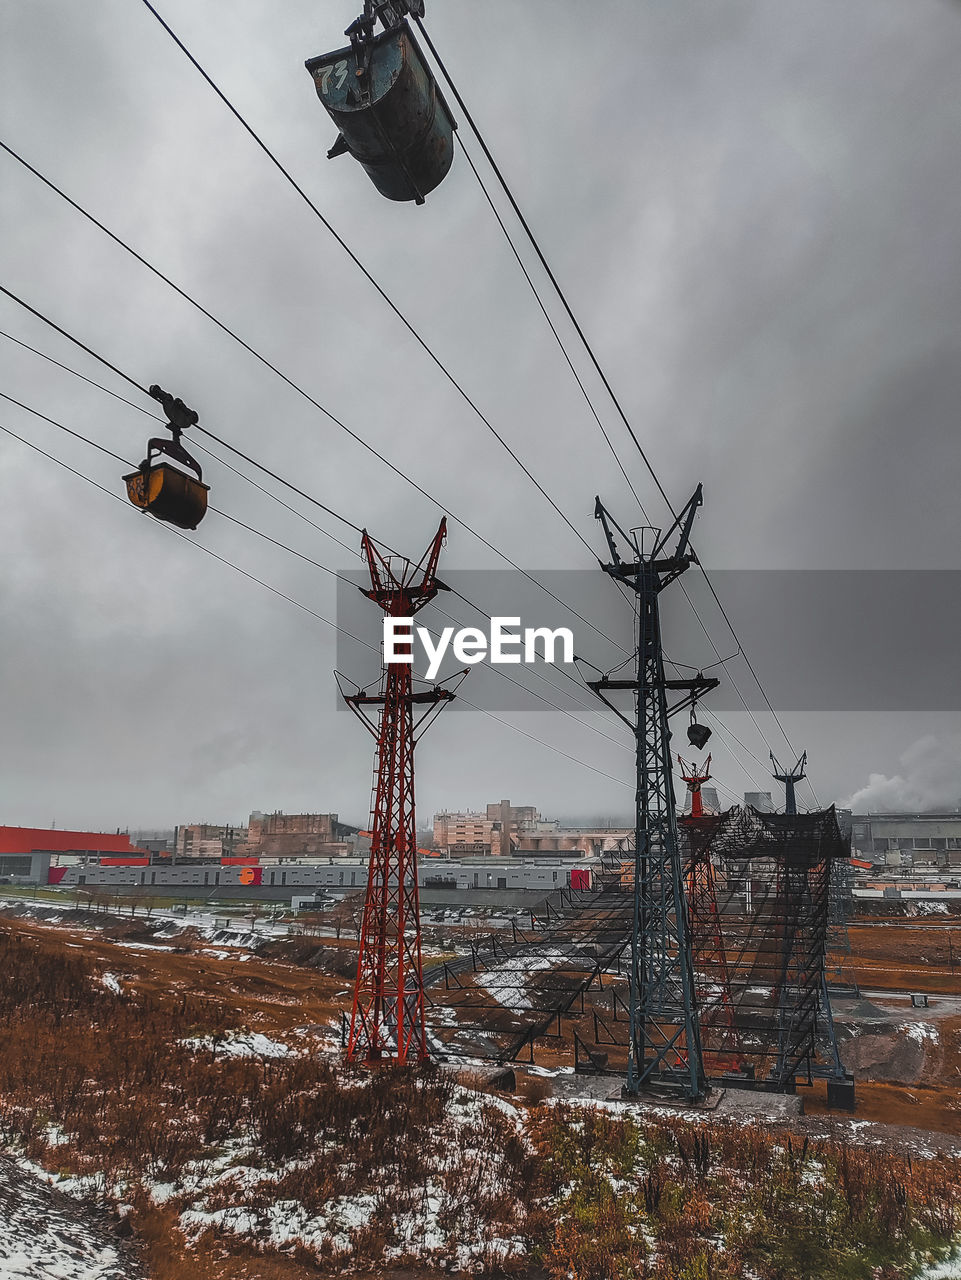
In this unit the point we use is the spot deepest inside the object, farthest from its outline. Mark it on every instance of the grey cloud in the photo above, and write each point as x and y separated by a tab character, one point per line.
753	213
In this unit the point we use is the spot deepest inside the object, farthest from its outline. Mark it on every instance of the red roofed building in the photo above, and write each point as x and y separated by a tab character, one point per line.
26	852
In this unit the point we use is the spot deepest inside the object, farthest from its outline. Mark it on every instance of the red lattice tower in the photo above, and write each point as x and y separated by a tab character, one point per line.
387	1018
712	981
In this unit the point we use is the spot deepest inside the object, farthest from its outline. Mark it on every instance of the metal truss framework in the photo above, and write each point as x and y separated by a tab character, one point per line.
665	1048
773	873
387	1015
712	984
514	989
569	965
712	980
790	778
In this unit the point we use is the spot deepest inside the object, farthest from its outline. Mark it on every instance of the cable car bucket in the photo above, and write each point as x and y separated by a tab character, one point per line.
697	734
160	489
382	96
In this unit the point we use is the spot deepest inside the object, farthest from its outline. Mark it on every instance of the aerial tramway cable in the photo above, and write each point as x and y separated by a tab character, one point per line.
291	600
421	341
397	470
600	371
561	295
246	457
318	565
293	510
268	493
250	528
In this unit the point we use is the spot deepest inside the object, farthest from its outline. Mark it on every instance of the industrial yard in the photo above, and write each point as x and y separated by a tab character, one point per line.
231	1163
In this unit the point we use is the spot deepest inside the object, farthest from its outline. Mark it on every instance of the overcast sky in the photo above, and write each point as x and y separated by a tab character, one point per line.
754	210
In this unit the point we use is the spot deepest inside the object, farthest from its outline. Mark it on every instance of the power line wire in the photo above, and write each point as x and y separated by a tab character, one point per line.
398	471
291	600
223	560
400	315
594	360
386	297
201	448
563	298
440	364
251	461
721	661
318	565
274	542
294	511
422	342
284	377
416	334
390	302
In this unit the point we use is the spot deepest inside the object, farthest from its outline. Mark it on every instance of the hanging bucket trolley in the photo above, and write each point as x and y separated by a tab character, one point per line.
697	734
165	491
382	96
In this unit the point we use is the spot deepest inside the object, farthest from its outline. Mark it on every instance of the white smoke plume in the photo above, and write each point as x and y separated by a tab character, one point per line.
931	779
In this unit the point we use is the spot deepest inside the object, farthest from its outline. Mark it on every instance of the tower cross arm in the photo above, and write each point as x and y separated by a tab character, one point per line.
665	568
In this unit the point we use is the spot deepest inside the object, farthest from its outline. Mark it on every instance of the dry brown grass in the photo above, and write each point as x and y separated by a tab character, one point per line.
573	1184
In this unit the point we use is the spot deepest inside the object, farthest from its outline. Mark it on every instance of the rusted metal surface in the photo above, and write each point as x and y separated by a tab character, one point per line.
392	116
168	494
164	491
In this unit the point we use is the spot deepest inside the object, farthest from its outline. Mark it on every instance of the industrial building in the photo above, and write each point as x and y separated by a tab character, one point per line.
296	835
204	840
504	830
343	874
266	835
492	833
27	852
909	841
559	841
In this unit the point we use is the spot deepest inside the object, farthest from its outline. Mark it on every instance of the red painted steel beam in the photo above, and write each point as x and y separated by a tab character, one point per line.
387	1015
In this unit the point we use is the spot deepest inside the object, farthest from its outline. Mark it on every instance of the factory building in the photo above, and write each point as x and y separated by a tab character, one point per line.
504	830
267	835
206	841
295	835
338	874
492	833
26	853
588	841
909	841
463	833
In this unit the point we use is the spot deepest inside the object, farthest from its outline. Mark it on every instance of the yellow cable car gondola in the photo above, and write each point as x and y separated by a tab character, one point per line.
164	491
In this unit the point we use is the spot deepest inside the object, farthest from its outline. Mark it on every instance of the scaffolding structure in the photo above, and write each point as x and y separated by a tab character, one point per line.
712	979
517	988
562	979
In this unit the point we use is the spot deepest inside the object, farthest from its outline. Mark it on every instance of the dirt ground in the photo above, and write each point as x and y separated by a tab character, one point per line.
907	1060
917	956
268	996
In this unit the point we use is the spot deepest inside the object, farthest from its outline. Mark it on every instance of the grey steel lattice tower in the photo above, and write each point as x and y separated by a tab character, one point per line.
840	1081
790	778
665	1045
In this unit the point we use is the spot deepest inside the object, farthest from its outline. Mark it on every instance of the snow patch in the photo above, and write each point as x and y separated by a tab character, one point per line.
248	1044
920	1031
